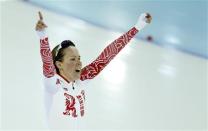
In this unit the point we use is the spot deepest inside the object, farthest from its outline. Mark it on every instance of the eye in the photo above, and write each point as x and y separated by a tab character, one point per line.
73	59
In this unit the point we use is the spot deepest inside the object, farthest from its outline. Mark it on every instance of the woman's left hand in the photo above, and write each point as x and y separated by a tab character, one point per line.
144	19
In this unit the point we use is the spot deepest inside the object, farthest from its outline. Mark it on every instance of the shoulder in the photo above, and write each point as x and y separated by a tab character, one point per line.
50	84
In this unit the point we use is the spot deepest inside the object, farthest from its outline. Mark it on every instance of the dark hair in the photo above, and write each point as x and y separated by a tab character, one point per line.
58	52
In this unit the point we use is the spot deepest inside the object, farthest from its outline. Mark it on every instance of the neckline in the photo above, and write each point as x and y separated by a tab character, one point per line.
63	78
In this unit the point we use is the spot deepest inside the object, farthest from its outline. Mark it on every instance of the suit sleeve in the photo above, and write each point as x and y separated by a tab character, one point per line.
46	55
94	68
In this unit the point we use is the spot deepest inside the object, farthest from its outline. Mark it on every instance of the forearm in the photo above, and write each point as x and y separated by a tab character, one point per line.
46	55
116	46
107	55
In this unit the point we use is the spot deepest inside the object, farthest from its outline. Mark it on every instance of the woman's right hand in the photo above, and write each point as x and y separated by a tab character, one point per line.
40	25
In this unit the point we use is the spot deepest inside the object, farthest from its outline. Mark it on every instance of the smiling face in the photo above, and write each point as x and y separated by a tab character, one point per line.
70	67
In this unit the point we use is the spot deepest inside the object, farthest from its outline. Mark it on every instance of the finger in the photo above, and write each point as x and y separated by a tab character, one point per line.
40	15
40	28
149	18
45	26
41	25
40	22
148	15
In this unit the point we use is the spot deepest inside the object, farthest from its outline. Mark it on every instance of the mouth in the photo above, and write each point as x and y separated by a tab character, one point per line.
78	70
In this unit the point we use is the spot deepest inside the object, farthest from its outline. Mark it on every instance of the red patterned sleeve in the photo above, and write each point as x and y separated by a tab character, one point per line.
93	69
46	55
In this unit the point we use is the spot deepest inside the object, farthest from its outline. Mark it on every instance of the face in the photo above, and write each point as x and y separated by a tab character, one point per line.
71	65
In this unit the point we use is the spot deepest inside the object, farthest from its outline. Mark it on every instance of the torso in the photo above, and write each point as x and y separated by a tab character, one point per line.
68	100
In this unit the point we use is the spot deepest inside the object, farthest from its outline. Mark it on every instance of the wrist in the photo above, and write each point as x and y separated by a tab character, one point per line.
41	34
140	25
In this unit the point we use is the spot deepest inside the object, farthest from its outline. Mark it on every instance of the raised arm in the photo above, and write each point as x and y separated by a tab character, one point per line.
46	55
93	69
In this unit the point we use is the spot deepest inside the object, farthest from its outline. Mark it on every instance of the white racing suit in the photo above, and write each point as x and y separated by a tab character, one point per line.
65	101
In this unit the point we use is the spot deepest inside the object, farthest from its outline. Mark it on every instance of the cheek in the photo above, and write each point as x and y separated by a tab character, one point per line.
70	66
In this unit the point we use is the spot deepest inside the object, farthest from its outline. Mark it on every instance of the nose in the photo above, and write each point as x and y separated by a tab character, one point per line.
79	63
